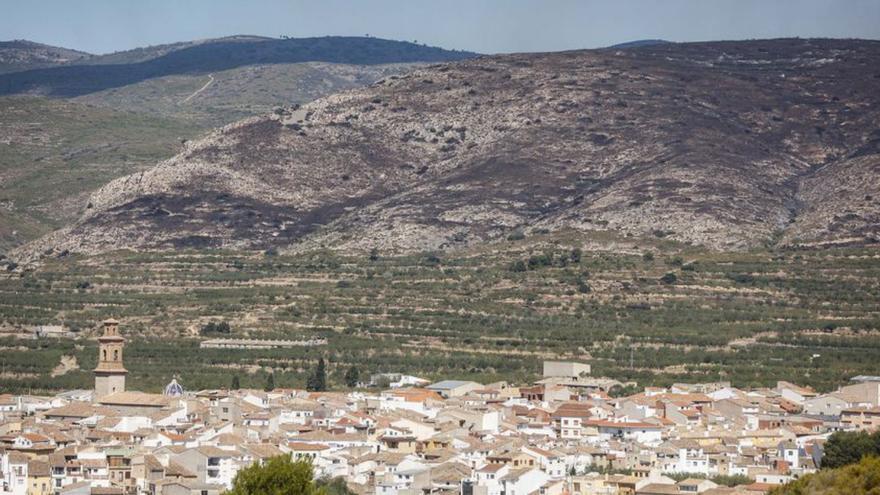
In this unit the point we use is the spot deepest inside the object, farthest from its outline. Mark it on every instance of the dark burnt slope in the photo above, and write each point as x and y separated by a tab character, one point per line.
728	144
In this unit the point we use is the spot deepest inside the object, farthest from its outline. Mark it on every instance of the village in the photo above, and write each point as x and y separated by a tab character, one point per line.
563	434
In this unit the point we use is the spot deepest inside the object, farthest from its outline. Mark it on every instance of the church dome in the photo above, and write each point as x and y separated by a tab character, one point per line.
174	389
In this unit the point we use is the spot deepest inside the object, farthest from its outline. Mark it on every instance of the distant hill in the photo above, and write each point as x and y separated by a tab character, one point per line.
731	145
639	43
21	55
142	54
126	68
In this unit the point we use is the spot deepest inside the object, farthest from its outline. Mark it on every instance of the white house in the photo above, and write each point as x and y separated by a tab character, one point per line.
523	481
13	468
645	433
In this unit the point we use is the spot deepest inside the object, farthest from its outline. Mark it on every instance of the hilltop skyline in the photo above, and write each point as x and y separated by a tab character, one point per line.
485	26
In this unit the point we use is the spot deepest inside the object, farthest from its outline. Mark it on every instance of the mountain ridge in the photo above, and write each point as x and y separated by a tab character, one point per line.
70	80
727	144
20	55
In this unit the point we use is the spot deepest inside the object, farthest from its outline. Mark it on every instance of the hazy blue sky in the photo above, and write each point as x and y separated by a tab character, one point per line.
487	26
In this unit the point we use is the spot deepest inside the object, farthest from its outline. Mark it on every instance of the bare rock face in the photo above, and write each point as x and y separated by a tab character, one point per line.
728	144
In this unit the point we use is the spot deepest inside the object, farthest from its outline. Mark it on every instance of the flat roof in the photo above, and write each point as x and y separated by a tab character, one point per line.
449	384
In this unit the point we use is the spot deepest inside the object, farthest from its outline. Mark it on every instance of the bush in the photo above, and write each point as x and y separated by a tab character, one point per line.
669	279
741	278
432	259
540	260
214	327
517	266
731	479
584	287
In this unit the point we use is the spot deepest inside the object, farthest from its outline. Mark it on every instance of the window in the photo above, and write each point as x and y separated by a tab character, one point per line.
116	354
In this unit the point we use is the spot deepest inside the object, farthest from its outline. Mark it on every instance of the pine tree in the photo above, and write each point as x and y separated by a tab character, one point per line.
352	376
235	383
270	382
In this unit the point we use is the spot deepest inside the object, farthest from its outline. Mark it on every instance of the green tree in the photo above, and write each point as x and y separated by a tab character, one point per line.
235	383
352	376
383	382
669	279
732	480
861	478
270	383
318	381
334	486
584	286
277	476
848	447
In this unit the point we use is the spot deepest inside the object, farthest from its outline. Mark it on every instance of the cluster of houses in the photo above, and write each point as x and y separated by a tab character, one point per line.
563	434
454	437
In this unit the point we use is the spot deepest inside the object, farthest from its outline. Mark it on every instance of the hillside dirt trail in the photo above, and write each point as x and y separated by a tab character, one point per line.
67	364
196	92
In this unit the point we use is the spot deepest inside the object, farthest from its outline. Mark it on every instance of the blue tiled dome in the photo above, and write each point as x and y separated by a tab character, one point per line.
174	389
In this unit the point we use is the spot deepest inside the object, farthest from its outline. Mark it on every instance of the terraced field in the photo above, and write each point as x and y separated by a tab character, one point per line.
487	313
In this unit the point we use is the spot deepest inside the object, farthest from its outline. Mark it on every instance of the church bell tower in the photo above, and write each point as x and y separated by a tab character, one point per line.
110	374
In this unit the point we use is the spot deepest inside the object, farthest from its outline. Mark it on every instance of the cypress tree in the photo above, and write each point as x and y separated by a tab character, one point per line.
270	382
351	377
318	380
